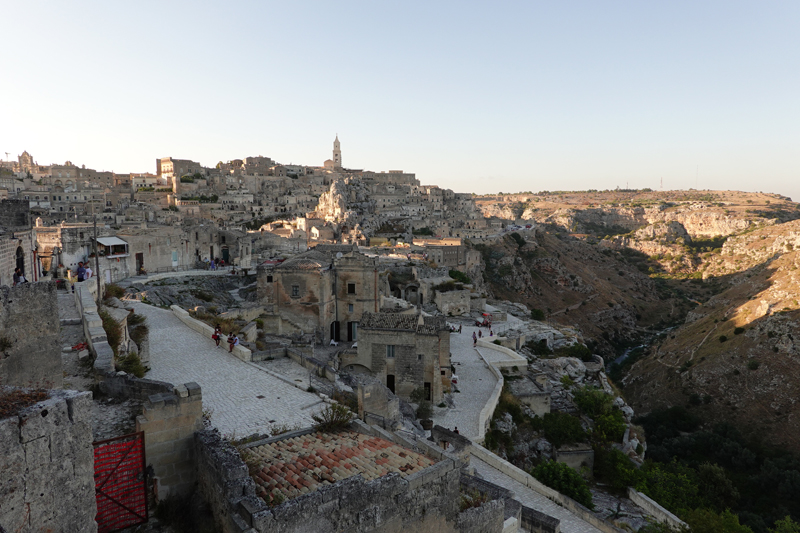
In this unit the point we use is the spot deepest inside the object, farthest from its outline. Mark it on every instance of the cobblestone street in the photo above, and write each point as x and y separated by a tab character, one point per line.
475	381
242	399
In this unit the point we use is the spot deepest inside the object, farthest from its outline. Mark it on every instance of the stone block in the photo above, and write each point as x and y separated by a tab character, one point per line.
37	452
79	408
181	391
41	419
158	448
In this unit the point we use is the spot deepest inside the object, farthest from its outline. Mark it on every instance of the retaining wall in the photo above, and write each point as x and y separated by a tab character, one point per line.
654	509
47	465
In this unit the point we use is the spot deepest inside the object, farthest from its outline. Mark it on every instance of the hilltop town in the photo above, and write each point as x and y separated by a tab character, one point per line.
320	348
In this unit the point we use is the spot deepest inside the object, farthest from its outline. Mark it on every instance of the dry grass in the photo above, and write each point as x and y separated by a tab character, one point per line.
15	400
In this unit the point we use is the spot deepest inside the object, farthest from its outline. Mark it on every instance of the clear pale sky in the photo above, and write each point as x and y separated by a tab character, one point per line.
481	97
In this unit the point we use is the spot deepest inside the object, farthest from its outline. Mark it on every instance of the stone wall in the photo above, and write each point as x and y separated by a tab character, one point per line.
655	509
170	420
204	329
30	354
452	303
576	457
47	465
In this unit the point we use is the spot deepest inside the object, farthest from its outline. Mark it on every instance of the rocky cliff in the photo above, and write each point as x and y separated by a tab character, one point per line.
736	357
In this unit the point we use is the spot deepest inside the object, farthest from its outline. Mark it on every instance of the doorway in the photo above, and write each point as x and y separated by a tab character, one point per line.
390	382
21	260
352	331
335	331
139	262
427	391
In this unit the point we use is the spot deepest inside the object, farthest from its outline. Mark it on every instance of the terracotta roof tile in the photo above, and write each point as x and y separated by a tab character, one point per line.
302	464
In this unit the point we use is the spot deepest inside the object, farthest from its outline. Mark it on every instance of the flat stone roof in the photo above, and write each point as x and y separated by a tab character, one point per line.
302	464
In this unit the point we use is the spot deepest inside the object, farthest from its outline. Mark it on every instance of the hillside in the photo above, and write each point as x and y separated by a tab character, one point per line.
735	358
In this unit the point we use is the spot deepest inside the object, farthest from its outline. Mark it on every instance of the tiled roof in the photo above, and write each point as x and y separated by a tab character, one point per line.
431	324
298	465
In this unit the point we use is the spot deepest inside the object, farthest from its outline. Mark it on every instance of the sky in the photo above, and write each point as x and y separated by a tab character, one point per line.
473	96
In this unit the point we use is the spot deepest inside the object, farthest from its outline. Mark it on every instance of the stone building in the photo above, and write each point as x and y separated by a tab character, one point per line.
323	291
406	352
17	242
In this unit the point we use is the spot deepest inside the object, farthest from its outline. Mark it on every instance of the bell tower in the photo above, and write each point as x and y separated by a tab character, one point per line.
337	153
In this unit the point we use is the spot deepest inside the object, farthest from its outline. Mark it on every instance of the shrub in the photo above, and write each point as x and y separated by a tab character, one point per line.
518	239
113	330
561	428
722	338
460	276
672	485
609	427
738	331
334	417
417	395
473	498
707	521
113	291
537	314
593	401
131	364
425	410
139	334
575	350
753	365
565	480
614	467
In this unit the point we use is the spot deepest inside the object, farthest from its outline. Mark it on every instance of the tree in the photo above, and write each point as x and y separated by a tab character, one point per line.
787	525
565	480
707	521
562	428
672	485
715	486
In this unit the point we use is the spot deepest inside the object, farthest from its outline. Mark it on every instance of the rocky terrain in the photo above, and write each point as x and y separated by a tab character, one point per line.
218	292
735	357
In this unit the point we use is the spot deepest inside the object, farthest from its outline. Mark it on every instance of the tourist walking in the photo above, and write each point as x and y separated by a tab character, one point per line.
474	339
480	334
81	272
217	335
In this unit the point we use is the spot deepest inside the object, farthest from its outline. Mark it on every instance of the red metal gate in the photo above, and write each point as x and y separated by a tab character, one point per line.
119	479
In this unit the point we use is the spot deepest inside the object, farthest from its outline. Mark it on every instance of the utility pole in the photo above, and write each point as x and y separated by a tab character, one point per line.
97	264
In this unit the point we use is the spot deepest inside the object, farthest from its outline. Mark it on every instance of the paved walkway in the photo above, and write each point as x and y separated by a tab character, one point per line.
231	388
475	381
570	523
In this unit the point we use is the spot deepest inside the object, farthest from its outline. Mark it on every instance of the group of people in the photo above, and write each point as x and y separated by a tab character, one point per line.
233	339
19	277
479	335
216	263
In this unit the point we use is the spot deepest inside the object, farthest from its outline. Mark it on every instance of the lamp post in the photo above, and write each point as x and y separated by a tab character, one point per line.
97	263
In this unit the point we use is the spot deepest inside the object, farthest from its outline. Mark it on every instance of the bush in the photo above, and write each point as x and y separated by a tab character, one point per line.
565	480
460	276
560	428
671	485
609	427
615	468
593	401
738	331
473	498
753	365
131	364
575	350
537	314
722	338
425	410
334	417
113	330
707	521
113	291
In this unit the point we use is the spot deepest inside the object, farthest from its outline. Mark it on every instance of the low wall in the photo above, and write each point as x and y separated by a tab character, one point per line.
485	416
95	335
577	459
204	329
654	509
47	465
128	386
513	358
169	421
318	367
531	482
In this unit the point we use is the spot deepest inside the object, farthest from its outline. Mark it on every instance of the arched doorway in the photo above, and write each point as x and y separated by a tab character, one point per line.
20	259
335	331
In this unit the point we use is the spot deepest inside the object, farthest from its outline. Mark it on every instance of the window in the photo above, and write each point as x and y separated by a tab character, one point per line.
390	351
175	256
443	372
419	357
349	308
351	288
269	279
295	291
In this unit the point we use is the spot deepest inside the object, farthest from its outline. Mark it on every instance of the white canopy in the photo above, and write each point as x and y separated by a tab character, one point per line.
111	241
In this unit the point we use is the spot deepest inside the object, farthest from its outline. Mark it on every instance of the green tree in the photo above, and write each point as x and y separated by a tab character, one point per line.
593	401
562	428
707	521
672	485
787	525
614	467
565	480
715	486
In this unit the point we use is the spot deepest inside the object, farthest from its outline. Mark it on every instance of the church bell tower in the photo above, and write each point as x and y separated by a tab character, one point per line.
337	153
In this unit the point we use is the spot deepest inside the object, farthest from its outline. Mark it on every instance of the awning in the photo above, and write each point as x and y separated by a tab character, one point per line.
111	241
